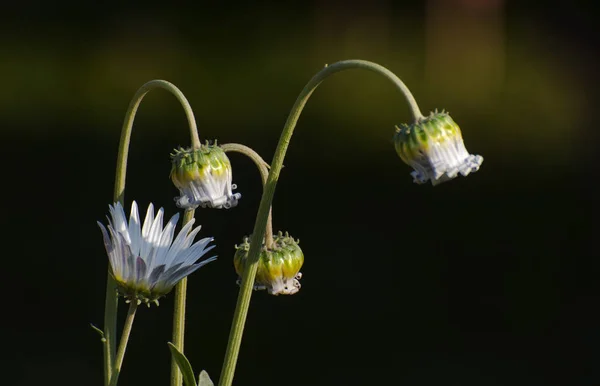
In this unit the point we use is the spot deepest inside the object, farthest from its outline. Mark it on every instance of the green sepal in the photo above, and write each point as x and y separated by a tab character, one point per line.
204	379
100	332
184	365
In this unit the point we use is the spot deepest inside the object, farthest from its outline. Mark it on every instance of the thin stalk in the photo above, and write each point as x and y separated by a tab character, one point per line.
128	127
179	315
110	305
243	302
123	345
263	169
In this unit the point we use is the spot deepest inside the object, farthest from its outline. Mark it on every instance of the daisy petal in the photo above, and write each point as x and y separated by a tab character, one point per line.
147	261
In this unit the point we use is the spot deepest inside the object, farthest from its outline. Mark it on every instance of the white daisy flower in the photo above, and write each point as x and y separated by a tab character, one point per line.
203	177
434	148
145	261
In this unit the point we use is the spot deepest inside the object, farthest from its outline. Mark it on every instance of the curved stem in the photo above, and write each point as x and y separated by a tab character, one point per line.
243	302
263	168
128	126
123	345
110	305
179	316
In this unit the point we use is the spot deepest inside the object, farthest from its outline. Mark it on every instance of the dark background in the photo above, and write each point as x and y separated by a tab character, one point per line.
485	280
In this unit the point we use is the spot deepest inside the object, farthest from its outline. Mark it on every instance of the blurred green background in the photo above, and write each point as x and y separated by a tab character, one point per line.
489	279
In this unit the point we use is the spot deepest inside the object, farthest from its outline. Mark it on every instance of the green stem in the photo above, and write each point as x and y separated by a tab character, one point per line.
179	316
110	306
243	302
128	126
263	168
123	345
110	326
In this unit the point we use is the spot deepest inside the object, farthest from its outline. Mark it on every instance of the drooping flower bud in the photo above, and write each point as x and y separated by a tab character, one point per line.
278	267
203	177
434	148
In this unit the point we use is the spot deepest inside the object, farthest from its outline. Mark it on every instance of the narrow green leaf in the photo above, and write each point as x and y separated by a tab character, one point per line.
204	379
184	366
99	331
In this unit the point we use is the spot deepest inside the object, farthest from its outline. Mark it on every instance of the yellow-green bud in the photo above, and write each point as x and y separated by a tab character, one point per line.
203	177
278	267
434	147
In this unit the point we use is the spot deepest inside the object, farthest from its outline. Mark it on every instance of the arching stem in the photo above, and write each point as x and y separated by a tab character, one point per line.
243	302
263	168
128	127
111	303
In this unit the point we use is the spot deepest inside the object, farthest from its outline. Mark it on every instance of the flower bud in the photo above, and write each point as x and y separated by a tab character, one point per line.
278	267
203	177
434	147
